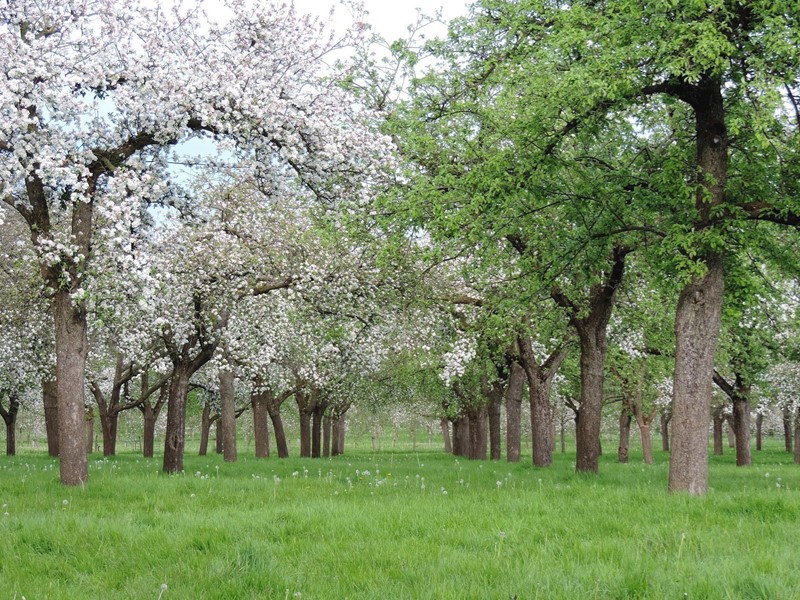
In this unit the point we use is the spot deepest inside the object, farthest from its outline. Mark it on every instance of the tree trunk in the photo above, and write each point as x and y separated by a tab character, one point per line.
477	434
108	424
50	400
787	428
461	436
444	422
665	420
541	420
89	431
697	324
624	435
327	429
759	425
797	441
72	347
219	440
316	428
175	439
227	421
719	420
587	428
698	315
495	407
10	419
741	422
280	432
338	436
205	429
516	381
731	431
260	425
647	443
305	434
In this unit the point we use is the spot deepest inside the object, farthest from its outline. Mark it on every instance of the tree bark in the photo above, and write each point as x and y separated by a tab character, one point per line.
227	421
72	347
759	425
327	429
697	324
797	441
494	410
516	382
698	314
444	422
461	436
89	430
741	421
787	428
647	443
10	419
338	435
477	433
150	414
175	439
280	433
205	429
666	417
50	400
219	440
718	420
260	423
317	416
624	435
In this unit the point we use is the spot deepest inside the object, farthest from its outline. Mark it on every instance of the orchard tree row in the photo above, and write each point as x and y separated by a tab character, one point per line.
601	195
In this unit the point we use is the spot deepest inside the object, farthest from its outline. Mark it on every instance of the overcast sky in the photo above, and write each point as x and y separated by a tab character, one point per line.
390	18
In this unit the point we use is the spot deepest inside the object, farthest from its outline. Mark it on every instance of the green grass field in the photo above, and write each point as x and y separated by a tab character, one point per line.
397	525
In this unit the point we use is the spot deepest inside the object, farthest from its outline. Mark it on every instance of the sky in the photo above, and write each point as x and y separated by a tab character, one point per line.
390	18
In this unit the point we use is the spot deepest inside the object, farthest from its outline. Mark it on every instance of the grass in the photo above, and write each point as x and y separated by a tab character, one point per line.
396	525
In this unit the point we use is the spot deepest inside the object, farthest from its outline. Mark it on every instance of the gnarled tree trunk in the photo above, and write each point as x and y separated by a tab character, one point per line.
10	419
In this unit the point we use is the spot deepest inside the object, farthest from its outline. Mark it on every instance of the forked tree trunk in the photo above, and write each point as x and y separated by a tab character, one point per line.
516	382
260	423
227	420
444	423
50	400
10	419
624	435
72	347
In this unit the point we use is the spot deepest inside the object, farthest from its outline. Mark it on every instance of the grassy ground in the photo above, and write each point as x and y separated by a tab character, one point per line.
397	525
